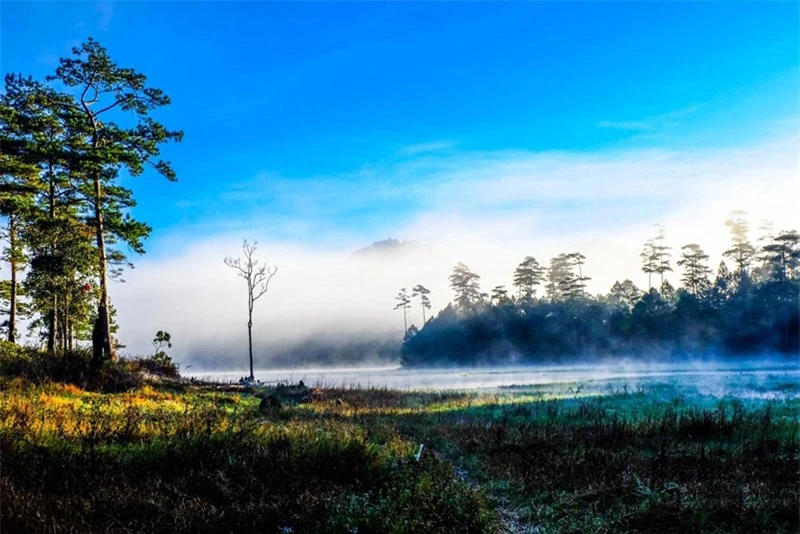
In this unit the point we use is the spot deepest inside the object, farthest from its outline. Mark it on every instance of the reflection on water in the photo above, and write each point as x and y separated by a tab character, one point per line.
757	379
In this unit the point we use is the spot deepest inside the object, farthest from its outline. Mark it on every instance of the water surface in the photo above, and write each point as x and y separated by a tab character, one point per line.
756	379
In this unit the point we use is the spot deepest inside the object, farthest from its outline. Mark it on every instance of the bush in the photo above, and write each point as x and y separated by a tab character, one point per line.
72	367
159	365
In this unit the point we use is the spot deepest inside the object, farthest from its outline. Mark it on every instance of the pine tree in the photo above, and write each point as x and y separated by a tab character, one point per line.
668	293
762	272
38	134
661	253
577	286
695	271
649	261
17	189
58	243
742	251
527	276
466	286
403	303
624	295
563	282
782	256
723	288
559	277
424	300
499	296
101	92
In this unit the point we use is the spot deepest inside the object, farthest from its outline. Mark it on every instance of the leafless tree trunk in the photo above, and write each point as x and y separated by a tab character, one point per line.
257	276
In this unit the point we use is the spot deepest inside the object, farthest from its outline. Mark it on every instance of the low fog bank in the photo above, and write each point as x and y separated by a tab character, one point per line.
322	307
325	307
322	300
314	352
653	359
765	378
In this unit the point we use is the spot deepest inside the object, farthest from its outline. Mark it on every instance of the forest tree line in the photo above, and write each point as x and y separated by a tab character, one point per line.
748	306
68	143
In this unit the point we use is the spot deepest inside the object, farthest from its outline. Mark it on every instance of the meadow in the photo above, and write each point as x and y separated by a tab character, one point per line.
164	455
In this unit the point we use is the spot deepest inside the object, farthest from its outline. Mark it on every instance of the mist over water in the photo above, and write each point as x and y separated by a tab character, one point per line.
487	210
756	379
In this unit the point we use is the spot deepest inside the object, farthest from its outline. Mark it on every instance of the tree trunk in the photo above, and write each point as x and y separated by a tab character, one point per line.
64	329
65	326
97	343
101	340
250	342
53	320
63	333
101	336
12	320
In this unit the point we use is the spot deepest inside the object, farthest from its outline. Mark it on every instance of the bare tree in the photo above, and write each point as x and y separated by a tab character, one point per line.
257	276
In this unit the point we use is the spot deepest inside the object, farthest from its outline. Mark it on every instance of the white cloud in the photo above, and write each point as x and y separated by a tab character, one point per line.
650	123
421	148
639	126
488	210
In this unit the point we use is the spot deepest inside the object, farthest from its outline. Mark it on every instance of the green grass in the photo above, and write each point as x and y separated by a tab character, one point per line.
201	461
627	464
172	457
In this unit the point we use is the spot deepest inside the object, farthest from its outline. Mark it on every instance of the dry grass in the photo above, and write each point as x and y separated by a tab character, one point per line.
174	457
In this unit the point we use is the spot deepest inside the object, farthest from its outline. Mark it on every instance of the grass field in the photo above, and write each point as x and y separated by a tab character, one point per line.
175	457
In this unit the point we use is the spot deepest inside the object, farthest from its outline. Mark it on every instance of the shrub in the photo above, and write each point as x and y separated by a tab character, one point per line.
161	364
71	367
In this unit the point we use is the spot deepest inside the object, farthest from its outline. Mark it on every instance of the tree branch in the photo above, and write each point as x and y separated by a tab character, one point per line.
270	272
115	104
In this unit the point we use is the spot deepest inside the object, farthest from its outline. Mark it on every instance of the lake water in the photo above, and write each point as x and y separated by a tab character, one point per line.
757	379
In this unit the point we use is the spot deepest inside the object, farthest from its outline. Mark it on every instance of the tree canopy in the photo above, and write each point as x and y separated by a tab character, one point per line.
751	309
67	143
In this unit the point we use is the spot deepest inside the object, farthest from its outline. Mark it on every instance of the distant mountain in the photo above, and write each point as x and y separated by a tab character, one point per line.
389	248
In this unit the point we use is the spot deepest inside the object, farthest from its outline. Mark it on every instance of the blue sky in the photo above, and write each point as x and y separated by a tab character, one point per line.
487	131
287	100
